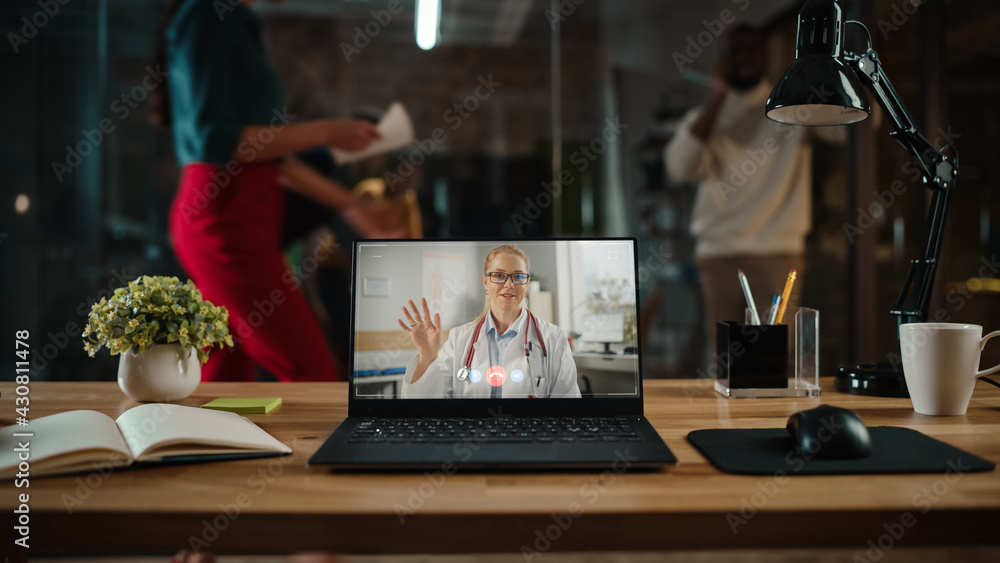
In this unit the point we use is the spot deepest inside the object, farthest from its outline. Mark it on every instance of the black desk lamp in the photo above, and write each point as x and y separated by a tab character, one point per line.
823	87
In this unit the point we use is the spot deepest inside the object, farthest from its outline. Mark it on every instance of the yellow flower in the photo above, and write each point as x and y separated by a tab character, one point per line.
205	343
202	326
181	310
133	323
168	298
203	309
183	332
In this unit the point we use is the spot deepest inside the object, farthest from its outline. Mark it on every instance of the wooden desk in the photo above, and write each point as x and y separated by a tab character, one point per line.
287	506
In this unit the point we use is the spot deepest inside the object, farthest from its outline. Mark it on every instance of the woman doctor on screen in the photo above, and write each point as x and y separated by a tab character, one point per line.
506	352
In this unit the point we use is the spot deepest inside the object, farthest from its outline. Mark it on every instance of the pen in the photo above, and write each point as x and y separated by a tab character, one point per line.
754	317
785	296
775	302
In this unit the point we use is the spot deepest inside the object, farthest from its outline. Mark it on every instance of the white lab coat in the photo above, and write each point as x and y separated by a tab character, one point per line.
440	381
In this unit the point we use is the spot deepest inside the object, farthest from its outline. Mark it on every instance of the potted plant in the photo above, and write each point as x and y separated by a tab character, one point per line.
163	329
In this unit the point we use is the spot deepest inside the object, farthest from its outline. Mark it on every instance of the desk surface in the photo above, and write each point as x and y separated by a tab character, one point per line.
280	505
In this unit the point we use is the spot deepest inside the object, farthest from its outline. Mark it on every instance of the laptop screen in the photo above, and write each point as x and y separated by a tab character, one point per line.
495	320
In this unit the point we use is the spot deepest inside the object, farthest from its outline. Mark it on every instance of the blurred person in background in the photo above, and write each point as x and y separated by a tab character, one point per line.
235	142
753	207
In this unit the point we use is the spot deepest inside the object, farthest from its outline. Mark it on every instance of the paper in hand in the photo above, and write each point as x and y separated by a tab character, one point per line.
397	132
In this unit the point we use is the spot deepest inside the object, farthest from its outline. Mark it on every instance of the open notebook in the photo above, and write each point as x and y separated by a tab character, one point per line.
155	433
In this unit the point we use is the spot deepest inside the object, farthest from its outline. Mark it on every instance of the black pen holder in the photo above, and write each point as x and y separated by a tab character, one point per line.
751	361
752	356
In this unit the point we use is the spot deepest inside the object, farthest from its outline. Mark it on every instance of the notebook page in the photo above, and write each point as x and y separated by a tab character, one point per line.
156	426
61	434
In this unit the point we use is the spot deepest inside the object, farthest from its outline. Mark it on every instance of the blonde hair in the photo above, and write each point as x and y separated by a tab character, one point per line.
491	255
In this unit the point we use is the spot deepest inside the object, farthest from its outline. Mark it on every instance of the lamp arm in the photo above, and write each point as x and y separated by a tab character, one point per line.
939	170
940	173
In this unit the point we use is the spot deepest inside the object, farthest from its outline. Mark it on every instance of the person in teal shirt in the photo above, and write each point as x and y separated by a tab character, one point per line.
235	140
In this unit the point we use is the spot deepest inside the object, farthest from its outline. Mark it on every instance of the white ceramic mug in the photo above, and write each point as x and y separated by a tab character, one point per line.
940	363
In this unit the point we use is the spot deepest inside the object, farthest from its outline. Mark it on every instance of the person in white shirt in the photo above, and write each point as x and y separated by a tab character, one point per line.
753	207
506	352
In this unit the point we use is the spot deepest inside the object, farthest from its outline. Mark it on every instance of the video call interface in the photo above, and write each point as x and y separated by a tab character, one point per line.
546	320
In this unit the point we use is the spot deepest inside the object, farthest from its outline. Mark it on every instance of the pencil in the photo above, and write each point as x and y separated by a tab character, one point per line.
785	295
775	306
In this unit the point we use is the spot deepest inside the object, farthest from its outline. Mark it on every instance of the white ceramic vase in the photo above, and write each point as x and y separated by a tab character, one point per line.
167	372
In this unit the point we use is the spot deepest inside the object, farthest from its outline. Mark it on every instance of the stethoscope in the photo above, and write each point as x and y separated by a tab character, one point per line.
466	369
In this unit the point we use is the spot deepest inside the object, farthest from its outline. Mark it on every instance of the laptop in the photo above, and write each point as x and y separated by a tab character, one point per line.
534	364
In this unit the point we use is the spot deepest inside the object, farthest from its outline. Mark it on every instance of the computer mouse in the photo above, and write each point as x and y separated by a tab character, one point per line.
830	432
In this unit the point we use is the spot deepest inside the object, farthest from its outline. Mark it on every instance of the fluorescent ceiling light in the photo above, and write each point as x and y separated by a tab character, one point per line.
428	20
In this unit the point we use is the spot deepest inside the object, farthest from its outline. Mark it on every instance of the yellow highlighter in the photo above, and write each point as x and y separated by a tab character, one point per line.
785	295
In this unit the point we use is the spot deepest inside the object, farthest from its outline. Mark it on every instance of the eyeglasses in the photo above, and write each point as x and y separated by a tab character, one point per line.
501	277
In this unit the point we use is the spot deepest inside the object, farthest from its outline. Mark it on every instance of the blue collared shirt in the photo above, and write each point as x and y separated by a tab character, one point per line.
497	344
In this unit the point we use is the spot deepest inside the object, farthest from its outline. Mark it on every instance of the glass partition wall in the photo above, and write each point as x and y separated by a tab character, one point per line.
532	118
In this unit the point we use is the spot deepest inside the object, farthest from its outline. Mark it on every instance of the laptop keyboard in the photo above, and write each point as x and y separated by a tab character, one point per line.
506	430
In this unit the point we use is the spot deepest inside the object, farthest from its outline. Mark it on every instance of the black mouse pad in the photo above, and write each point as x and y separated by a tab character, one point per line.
765	451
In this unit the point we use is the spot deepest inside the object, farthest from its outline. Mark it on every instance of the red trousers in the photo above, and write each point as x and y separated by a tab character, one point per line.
226	232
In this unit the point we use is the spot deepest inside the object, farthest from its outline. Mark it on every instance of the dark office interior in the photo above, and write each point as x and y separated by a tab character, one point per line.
86	211
504	103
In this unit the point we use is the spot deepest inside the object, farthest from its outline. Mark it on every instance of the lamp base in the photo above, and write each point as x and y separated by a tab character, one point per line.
879	380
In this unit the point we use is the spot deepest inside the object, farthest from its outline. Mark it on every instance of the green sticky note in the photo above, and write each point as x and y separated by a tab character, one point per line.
244	405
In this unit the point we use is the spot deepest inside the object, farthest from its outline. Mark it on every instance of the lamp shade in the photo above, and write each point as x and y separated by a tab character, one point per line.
818	90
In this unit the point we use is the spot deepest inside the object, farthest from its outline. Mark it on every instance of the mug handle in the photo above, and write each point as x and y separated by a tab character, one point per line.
982	345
